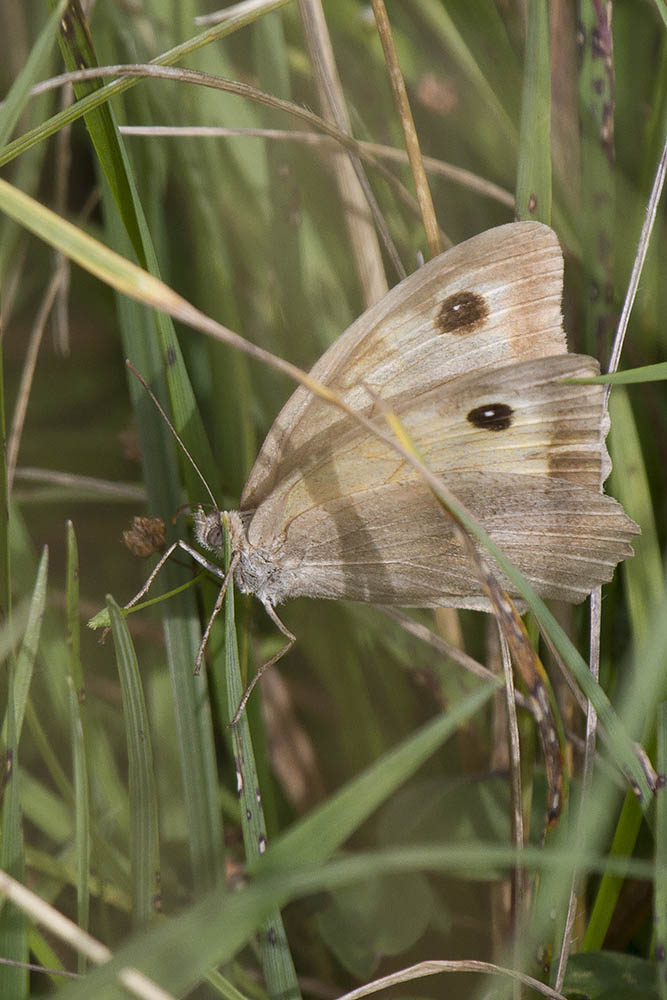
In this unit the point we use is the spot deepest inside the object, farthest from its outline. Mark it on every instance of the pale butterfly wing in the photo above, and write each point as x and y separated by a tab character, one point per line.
521	449
469	352
491	300
564	539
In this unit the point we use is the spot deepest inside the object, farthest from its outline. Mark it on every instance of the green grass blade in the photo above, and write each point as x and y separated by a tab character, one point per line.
78	53
5	563
286	252
598	180
178	952
13	924
144	844
114	163
326	829
643	575
533	185
180	619
81	822
155	356
17	97
80	737
443	25
632	376
25	662
646	686
44	954
277	964
100	96
660	894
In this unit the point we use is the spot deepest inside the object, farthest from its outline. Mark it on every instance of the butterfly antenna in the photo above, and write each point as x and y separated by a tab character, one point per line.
171	428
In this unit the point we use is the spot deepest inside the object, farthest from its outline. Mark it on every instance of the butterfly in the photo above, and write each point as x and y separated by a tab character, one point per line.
469	353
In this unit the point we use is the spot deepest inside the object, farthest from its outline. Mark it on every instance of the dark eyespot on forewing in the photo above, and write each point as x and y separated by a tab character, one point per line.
462	312
492	416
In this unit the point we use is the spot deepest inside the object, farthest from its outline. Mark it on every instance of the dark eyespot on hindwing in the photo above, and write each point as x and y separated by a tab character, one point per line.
492	416
462	312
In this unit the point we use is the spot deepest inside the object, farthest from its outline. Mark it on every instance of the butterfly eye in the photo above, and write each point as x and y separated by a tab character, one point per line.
462	312
492	417
213	539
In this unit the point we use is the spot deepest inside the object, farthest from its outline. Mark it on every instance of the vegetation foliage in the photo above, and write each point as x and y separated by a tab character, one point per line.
357	822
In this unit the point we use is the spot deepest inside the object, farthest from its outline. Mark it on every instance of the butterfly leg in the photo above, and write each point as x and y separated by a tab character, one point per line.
216	611
211	568
147	585
197	556
158	566
291	639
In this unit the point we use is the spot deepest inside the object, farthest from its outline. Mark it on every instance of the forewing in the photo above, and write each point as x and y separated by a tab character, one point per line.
489	301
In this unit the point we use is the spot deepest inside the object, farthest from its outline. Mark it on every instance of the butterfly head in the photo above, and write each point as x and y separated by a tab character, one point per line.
208	529
255	572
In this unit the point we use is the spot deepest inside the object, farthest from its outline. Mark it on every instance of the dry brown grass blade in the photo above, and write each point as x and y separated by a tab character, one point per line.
358	217
434	968
409	131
